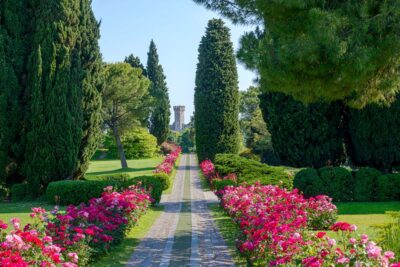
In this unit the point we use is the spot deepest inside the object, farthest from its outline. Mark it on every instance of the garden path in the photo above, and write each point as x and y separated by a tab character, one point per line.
185	233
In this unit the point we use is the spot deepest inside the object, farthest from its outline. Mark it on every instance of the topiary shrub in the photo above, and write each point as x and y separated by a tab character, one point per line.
339	183
164	179
251	171
152	184
20	192
384	188
309	182
364	184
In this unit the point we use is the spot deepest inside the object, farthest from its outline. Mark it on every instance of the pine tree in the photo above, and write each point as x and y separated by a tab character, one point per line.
54	118
135	63
216	94
321	50
90	58
160	115
304	135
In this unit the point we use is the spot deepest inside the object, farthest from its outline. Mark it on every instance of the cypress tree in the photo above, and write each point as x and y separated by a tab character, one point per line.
160	115
91	96
304	136
12	23
374	138
135	63
216	94
54	118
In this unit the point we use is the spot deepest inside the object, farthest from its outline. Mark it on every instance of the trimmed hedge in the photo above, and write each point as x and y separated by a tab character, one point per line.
366	184
250	171
19	192
164	179
76	192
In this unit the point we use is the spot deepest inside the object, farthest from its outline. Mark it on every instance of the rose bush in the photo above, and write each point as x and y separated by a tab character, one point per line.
72	238
168	163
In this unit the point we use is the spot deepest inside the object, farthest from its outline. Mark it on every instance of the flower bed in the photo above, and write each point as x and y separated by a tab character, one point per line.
73	238
276	228
168	163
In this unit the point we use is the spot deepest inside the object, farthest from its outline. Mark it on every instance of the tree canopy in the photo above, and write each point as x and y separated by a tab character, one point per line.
321	50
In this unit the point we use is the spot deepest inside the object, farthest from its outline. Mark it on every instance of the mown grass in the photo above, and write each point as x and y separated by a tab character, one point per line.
21	210
120	255
136	168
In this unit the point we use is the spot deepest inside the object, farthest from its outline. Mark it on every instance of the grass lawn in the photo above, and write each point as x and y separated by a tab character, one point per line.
120	255
21	210
137	167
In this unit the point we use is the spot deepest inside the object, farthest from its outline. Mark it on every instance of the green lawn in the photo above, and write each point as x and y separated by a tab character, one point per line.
120	255
20	210
137	167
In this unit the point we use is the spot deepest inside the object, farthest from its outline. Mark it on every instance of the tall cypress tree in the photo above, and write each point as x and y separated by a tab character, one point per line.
12	55
304	135
54	118
216	94
90	58
160	115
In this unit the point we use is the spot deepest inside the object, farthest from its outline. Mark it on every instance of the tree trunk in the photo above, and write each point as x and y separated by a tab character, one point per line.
120	148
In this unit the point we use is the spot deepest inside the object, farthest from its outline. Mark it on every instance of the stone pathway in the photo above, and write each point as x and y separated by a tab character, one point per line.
185	233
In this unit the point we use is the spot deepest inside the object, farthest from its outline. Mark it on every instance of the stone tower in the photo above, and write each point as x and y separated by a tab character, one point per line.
179	118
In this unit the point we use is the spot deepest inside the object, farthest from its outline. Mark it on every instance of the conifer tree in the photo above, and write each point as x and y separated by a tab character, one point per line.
54	105
216	94
160	114
135	63
91	64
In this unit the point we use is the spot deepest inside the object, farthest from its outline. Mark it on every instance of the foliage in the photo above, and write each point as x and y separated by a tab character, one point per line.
169	162
252	124
216	94
20	192
186	140
167	147
309	182
249	154
125	101
152	184
389	233
304	136
135	63
137	143
373	138
365	184
164	179
315	50
339	183
251	171
160	113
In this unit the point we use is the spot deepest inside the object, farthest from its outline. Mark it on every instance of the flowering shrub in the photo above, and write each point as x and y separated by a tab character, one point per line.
168	164
65	239
275	227
208	169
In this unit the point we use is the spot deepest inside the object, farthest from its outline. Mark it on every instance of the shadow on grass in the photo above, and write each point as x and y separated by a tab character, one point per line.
359	208
118	171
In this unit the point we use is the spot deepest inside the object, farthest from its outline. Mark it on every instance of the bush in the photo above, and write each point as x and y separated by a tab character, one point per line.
220	184
248	154
138	144
4	191
152	184
384	188
339	183
364	184
122	177
19	192
76	192
251	171
309	182
164	179
167	148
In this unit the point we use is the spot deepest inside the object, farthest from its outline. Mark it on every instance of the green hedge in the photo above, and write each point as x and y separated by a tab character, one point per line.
366	184
19	192
76	192
251	171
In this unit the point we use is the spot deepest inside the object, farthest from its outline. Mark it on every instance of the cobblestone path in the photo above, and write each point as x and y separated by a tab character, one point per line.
185	233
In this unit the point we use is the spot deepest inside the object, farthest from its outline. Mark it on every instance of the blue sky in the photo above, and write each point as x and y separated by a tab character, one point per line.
127	26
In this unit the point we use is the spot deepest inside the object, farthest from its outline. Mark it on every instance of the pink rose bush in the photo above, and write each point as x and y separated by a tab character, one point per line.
276	228
70	239
168	163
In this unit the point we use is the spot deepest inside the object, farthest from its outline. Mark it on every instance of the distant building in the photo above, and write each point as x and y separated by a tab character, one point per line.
179	124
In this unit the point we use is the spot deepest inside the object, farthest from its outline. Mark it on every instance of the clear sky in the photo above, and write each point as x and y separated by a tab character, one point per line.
127	26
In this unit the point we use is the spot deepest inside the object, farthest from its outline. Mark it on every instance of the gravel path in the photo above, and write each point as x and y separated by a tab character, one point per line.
185	233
